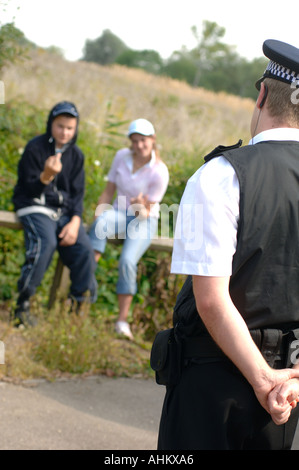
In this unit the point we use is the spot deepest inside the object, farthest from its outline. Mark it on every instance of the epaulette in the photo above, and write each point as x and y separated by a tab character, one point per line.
221	149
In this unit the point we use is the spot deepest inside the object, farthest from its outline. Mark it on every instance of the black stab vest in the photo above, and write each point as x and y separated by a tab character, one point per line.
264	284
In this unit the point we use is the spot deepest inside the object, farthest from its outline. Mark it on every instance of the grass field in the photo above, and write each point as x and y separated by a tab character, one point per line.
184	117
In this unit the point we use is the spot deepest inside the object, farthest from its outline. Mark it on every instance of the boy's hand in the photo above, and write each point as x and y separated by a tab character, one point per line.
52	167
69	232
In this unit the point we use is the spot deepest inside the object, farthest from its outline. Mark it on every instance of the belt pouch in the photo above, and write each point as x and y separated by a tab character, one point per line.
165	358
271	346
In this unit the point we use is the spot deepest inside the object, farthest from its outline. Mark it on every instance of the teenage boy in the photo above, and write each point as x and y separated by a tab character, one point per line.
48	200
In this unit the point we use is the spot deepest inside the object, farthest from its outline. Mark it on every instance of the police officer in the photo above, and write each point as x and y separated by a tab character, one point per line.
237	316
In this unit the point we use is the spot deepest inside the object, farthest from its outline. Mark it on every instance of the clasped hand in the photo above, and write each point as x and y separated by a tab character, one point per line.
282	400
279	393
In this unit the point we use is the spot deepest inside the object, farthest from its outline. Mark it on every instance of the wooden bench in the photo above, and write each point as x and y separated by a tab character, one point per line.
60	280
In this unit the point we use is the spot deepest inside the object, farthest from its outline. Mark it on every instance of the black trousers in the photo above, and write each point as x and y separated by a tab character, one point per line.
214	408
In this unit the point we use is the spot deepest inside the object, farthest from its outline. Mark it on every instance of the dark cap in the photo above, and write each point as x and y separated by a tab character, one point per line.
284	62
65	107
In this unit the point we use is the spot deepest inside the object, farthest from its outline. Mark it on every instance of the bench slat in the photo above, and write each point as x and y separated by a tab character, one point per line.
10	220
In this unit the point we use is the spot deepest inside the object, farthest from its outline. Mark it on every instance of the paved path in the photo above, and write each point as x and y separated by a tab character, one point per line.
96	413
83	414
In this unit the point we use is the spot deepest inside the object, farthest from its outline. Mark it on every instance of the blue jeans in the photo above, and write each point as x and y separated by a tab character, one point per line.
137	235
41	241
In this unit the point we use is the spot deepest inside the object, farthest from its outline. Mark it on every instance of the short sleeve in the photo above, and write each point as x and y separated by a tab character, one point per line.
206	227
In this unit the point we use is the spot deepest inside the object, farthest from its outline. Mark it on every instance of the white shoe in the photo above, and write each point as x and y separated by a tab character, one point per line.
123	328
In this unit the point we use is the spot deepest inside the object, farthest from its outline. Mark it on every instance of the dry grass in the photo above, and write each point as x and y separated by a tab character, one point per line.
185	118
65	346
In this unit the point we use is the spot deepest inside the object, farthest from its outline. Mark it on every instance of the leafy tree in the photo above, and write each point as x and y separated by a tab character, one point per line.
55	50
13	44
234	75
147	59
180	66
214	65
105	49
209	48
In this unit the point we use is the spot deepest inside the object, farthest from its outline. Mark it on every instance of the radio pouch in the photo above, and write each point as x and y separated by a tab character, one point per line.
165	358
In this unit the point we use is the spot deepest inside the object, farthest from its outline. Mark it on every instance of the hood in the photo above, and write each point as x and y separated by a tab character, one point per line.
64	107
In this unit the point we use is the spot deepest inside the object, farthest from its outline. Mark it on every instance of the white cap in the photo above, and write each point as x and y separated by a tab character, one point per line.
141	126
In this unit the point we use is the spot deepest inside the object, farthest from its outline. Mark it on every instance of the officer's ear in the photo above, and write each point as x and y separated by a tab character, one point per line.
262	95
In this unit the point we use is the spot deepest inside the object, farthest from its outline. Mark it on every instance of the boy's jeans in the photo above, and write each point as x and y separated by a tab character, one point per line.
41	241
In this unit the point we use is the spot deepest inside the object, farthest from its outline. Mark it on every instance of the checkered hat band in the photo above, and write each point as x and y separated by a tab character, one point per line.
281	72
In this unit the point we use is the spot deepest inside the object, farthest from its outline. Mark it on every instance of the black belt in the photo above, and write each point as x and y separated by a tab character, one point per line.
274	345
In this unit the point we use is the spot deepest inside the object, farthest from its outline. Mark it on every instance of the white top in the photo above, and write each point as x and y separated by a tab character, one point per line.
206	229
150	180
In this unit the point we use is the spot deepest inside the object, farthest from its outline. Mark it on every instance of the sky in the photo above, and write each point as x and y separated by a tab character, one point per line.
161	25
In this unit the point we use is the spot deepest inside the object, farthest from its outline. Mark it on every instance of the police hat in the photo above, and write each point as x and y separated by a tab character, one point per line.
284	62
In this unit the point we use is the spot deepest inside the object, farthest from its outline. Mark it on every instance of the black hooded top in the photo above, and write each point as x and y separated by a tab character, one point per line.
66	191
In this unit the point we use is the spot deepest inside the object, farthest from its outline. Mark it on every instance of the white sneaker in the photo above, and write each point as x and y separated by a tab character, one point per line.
123	328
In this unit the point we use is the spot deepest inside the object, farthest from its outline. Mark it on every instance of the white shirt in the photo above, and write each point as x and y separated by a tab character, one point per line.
206	229
151	180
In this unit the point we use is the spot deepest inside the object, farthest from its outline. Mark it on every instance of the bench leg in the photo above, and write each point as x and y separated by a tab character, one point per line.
60	283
